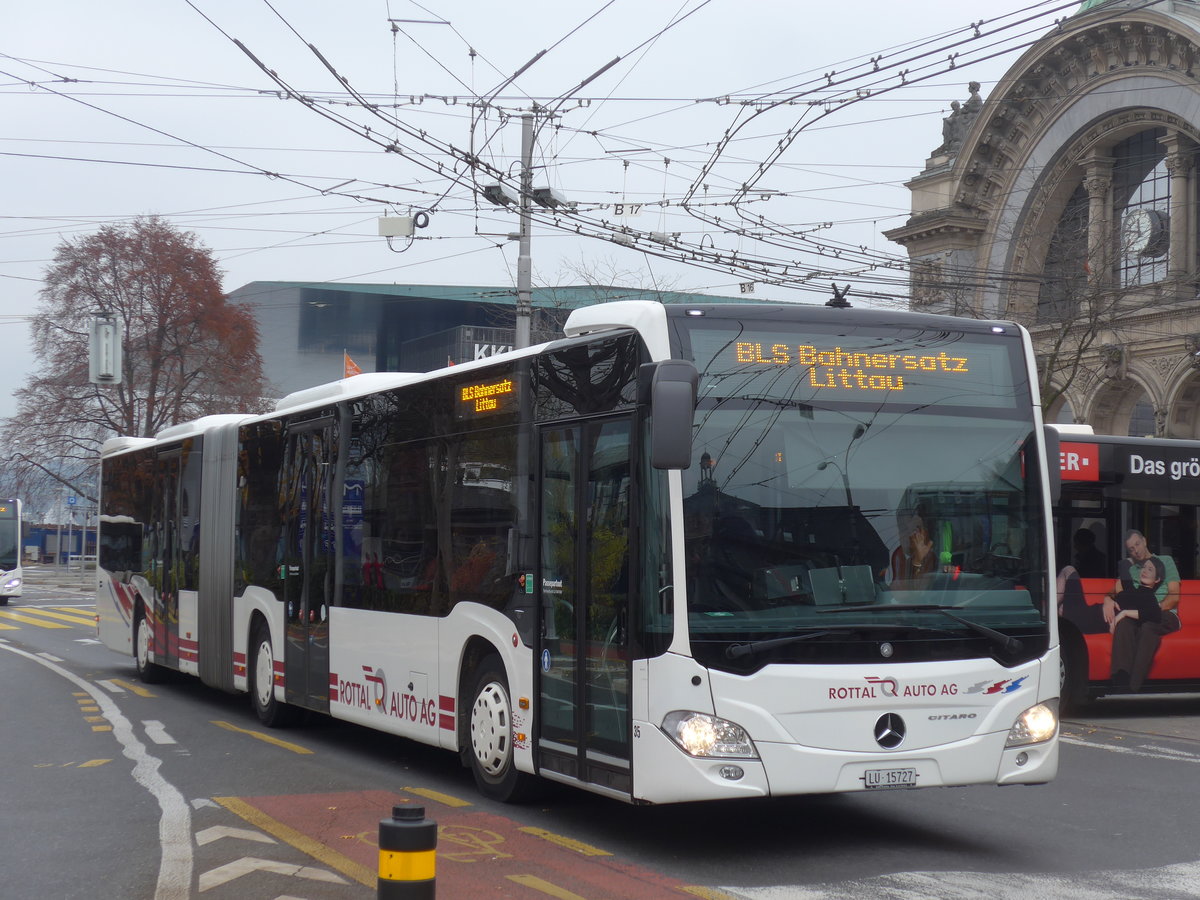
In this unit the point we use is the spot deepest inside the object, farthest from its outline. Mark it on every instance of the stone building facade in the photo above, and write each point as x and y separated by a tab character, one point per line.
1067	200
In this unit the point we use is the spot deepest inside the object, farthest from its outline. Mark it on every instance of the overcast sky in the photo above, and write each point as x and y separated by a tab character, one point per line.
120	108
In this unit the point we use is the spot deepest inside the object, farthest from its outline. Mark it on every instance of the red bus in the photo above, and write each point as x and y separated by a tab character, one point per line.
1118	492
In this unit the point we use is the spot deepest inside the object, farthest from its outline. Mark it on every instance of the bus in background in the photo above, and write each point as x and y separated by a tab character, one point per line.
1112	486
11	574
683	553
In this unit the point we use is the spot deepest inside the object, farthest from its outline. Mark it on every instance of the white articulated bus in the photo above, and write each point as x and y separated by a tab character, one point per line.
683	553
11	574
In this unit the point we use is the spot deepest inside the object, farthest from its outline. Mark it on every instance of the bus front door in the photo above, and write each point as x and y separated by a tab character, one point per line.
583	667
309	565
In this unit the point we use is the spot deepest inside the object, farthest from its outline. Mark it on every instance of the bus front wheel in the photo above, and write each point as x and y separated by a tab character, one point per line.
490	731
271	711
148	672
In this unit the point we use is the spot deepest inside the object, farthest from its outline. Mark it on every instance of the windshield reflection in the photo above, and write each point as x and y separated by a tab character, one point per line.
791	512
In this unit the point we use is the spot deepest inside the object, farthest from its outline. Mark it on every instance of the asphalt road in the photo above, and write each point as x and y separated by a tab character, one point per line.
109	788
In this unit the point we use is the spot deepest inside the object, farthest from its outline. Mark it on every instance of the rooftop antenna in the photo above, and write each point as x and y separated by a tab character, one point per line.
839	300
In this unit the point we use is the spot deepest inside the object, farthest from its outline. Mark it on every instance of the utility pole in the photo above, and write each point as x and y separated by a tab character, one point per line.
524	323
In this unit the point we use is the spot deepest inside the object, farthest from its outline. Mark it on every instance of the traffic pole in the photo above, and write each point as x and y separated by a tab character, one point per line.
407	855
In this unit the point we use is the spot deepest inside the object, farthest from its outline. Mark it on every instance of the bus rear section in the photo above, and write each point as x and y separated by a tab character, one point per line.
1127	501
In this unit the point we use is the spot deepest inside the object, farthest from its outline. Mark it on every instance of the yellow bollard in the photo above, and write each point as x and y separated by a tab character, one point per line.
407	855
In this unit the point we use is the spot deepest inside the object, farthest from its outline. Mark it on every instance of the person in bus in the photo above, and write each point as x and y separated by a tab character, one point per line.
1088	561
916	557
1135	641
1141	602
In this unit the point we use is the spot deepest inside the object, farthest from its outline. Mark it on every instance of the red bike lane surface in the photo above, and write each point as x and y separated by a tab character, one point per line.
478	854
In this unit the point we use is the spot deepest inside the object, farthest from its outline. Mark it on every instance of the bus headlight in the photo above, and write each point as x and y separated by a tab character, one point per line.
1036	724
12	584
703	735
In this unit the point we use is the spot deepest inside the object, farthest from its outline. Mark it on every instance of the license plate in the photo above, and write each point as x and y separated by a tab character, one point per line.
881	779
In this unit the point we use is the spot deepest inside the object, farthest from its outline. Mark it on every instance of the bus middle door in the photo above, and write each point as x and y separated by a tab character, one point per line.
308	562
583	668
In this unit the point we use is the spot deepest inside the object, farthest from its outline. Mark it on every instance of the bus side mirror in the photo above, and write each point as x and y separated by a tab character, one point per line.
673	385
1053	462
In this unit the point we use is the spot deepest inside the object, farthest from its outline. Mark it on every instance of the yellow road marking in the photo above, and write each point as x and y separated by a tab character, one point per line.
94	719
438	797
4	627
540	884
301	842
140	691
92	763
566	842
74	620
18	617
706	893
286	745
101	728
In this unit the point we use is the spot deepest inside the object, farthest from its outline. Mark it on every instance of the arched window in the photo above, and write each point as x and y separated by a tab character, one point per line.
1141	419
1141	207
1064	276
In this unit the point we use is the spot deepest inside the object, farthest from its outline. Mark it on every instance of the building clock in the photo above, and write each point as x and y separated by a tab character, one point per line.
1144	232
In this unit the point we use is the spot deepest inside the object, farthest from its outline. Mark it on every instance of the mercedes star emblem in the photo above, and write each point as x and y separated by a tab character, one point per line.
889	731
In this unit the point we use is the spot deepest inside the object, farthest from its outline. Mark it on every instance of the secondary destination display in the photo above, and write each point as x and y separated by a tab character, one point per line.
495	395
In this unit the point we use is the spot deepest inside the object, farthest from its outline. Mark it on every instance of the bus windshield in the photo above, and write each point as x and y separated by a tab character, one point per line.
848	487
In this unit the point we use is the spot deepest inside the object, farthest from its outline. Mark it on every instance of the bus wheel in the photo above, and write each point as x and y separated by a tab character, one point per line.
148	672
491	734
270	711
1072	672
3	601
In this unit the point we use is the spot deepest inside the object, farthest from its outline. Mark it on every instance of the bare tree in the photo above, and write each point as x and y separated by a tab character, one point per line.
187	352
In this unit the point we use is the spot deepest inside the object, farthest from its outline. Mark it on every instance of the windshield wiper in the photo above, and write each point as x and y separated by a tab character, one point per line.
1006	643
736	651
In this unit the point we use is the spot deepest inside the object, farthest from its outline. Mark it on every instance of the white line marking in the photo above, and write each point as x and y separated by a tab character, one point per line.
86	641
110	687
216	832
1129	751
157	732
50	656
247	864
175	823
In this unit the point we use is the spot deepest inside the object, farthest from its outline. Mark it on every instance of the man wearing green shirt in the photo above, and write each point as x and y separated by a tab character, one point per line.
1136	640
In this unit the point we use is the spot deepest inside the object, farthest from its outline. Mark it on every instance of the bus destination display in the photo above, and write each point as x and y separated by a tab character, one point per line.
849	369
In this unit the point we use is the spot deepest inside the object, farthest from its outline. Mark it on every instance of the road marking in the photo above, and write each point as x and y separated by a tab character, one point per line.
157	732
565	842
51	657
1146	751
140	691
216	832
270	739
26	620
706	893
545	887
76	619
86	641
1167	881
247	864
4	627
438	797
92	763
175	823
302	842
111	686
